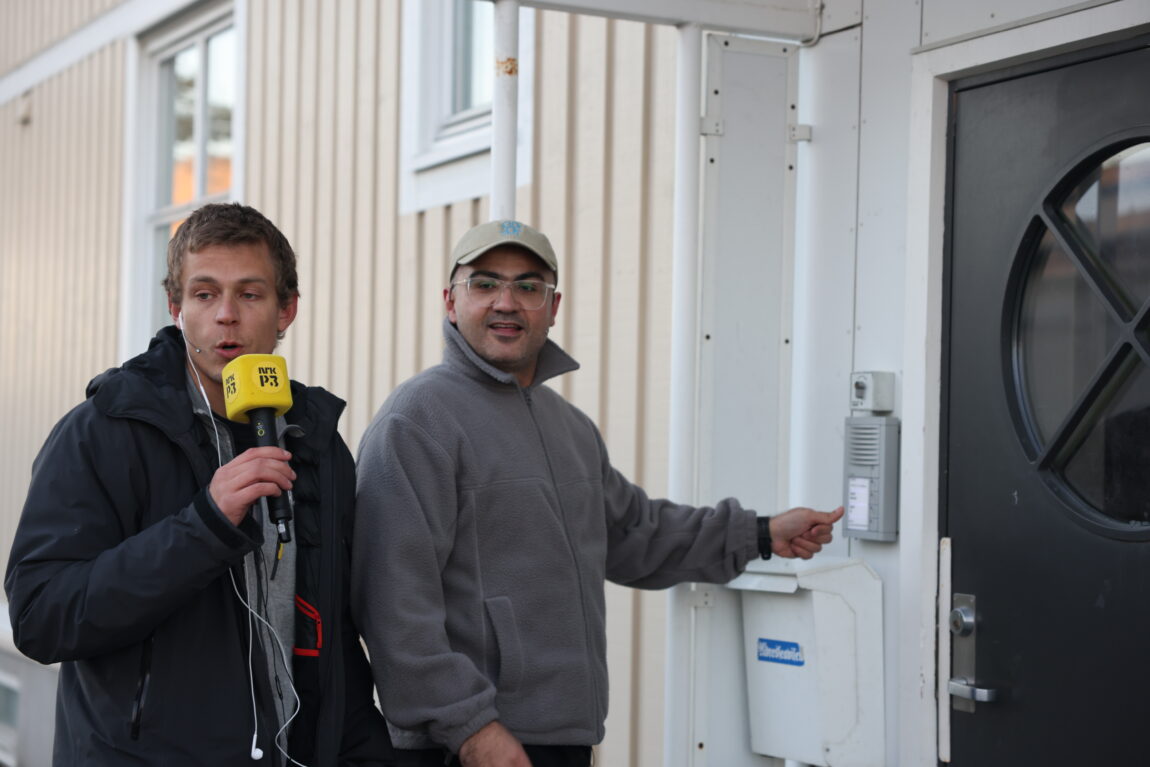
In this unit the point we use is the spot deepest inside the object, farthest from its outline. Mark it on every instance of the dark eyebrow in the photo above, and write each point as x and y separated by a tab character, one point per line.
201	279
496	275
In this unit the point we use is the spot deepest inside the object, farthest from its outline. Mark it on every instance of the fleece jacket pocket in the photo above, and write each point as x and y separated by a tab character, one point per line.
502	616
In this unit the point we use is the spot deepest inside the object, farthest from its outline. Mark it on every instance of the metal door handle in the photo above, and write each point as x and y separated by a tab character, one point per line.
961	687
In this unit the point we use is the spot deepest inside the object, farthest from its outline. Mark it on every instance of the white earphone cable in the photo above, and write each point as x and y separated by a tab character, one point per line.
256	753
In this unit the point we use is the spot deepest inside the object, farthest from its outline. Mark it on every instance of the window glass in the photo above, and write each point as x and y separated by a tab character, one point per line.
221	82
1064	335
178	127
1109	469
1110	211
474	71
160	237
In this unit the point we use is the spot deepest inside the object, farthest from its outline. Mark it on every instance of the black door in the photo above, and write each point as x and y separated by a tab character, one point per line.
1046	460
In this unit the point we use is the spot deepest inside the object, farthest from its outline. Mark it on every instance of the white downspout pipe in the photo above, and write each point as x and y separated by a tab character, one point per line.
679	710
505	110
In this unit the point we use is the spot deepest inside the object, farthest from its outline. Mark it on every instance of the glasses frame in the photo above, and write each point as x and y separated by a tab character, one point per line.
506	285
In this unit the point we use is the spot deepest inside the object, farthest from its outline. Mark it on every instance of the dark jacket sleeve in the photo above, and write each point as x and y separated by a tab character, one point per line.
86	575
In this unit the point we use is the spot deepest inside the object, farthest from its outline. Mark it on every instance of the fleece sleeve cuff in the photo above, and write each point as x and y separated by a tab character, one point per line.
456	736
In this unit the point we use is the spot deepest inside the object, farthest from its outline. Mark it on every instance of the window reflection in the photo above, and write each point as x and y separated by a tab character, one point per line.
177	180
221	104
1111	469
474	72
160	236
1064	335
1110	211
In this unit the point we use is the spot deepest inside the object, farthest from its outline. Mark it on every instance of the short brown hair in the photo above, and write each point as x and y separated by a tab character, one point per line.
230	224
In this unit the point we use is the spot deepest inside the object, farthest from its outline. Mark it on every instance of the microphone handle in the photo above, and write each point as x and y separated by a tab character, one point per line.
263	422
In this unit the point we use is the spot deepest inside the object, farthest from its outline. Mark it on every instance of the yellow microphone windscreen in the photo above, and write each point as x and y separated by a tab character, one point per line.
254	381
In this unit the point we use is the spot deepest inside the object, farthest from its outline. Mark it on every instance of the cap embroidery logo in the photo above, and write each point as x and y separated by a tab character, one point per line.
511	228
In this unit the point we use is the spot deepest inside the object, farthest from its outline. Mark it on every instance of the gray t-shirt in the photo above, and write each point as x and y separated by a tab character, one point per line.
269	572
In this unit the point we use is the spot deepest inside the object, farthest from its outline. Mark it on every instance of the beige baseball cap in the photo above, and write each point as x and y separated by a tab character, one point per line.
482	238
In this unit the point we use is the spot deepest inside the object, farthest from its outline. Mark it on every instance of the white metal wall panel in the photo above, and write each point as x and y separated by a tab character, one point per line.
879	322
59	256
26	28
749	168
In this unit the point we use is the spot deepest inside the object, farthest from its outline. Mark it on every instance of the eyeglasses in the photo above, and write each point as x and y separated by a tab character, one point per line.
528	294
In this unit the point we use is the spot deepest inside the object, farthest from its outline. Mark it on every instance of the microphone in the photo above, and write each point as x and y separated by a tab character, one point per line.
256	391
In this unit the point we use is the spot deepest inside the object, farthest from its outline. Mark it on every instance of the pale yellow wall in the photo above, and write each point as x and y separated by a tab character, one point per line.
59	257
29	26
322	161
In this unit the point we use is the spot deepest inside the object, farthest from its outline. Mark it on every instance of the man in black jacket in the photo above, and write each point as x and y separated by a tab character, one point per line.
143	564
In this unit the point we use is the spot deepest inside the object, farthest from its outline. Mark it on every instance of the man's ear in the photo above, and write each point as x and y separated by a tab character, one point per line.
555	305
449	303
287	313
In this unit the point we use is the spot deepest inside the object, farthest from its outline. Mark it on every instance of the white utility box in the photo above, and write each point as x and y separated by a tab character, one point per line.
814	661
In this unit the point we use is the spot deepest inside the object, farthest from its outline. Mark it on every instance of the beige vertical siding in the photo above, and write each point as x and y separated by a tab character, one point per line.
322	161
59	258
29	26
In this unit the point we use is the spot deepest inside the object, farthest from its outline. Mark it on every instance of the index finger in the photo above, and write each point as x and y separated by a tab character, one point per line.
255	453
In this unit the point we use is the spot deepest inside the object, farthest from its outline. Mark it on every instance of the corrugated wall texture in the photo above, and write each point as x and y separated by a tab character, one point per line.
29	26
324	83
59	257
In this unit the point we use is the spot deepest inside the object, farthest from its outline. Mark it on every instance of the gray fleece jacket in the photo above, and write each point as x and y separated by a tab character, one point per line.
488	519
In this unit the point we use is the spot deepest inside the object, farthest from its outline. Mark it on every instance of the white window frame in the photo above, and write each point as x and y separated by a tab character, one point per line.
443	158
142	300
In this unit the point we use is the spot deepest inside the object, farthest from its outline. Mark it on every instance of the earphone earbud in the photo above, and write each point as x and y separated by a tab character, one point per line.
180	325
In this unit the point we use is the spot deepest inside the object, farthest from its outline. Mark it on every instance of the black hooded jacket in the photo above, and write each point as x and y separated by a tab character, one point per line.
120	572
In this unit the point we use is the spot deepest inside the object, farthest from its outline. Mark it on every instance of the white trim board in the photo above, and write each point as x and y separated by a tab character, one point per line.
789	18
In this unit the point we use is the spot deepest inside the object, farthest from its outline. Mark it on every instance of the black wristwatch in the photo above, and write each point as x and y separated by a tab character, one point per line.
764	530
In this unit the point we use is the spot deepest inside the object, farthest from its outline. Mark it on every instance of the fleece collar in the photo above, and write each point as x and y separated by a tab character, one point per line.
458	354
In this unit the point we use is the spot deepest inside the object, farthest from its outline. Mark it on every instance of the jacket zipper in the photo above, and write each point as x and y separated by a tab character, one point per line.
142	687
574	559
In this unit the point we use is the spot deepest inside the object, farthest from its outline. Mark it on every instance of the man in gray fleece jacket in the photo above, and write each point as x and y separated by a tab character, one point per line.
489	518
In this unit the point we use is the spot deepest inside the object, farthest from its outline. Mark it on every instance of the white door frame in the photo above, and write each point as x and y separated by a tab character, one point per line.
923	711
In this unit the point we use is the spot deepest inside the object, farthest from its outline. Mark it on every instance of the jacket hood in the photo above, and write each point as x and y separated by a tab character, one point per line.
149	387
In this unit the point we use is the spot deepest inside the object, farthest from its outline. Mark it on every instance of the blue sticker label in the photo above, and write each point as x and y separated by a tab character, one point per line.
774	651
511	228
